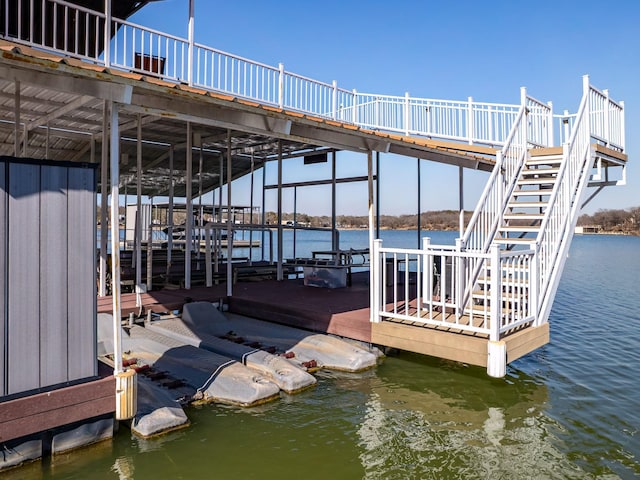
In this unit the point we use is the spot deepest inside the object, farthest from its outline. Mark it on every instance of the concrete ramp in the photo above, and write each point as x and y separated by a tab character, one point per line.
288	376
328	352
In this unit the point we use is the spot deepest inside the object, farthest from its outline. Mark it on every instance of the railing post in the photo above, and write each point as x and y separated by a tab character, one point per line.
534	281
407	114
549	125
470	120
427	271
354	118
107	33
496	348
191	42
607	109
334	101
586	91
375	286
496	293
459	280
622	135
565	124
281	85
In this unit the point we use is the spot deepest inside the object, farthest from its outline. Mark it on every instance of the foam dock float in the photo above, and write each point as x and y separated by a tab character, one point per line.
288	376
192	374
158	412
305	348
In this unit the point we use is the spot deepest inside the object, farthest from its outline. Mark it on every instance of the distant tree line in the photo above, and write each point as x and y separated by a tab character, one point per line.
623	221
616	220
436	220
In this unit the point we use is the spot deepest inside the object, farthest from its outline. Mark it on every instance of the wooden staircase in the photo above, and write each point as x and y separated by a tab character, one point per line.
528	203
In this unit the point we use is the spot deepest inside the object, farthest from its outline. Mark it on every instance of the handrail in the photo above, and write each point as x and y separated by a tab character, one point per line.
484	221
559	219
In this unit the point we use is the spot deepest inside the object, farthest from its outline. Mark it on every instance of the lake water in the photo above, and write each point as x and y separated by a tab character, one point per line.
569	410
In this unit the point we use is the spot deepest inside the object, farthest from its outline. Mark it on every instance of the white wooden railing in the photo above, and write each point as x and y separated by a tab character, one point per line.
132	47
476	281
565	202
418	285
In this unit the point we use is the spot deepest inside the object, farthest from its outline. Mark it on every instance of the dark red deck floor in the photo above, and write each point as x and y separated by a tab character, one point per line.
341	311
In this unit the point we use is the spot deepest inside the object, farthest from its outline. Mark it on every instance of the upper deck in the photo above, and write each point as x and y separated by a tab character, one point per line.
61	116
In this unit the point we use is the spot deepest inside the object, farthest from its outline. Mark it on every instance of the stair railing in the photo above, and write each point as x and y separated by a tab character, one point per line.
486	217
481	231
556	230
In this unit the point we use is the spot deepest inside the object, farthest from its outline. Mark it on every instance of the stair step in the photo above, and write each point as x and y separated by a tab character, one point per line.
532	193
522	228
522	204
537	181
523	216
540	171
547	160
514	241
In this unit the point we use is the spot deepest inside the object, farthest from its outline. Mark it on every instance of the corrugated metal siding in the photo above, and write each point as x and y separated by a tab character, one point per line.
23	282
47	267
3	282
53	275
82	277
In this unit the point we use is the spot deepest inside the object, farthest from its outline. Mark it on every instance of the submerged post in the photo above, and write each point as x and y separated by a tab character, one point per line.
496	348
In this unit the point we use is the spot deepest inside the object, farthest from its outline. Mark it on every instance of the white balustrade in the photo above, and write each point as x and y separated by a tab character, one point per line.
81	32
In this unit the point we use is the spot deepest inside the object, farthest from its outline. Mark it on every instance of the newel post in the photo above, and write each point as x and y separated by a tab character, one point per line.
496	348
375	281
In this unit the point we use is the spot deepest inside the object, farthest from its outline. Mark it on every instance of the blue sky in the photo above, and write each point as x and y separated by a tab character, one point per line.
435	49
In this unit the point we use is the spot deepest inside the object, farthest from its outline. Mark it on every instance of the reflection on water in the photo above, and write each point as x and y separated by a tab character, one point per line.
568	410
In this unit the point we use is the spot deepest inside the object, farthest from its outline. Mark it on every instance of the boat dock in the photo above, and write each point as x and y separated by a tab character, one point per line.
95	109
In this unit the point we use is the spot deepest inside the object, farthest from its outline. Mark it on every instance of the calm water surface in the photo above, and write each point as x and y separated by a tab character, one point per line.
568	410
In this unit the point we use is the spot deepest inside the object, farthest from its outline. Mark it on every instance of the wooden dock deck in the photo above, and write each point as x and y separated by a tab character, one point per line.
340	311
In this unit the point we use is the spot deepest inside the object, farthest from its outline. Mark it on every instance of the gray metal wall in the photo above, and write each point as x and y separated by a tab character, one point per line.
3	278
47	268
